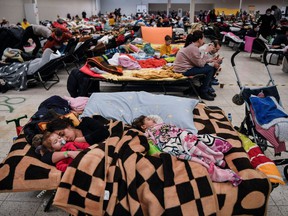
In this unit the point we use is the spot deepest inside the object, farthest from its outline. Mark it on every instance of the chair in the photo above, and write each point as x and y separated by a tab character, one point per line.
258	46
68	52
80	52
47	74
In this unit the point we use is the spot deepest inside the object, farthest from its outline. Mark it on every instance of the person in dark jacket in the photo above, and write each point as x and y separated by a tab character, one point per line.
34	32
281	39
277	13
268	22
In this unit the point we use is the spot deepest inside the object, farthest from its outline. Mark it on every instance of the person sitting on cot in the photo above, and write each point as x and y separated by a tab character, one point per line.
52	142
189	62
185	145
165	49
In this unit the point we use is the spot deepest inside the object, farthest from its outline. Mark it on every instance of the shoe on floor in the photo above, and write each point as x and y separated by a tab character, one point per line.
213	94
214	82
4	87
211	89
206	96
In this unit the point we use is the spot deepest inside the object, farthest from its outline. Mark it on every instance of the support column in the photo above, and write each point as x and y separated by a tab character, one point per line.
240	5
192	10
168	7
31	12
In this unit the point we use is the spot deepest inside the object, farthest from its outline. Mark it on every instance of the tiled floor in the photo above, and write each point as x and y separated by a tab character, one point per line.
14	104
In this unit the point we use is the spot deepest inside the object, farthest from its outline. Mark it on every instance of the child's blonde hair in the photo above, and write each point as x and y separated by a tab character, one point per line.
43	141
195	27
46	140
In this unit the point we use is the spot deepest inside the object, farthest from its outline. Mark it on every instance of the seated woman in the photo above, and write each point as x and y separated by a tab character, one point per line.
190	62
185	145
89	130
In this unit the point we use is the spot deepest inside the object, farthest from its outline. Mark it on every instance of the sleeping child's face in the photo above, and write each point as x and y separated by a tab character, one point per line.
56	141
148	122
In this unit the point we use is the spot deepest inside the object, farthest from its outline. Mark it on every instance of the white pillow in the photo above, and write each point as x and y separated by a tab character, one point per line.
126	106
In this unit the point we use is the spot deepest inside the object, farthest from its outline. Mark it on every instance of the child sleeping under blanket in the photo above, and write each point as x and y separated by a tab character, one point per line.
204	149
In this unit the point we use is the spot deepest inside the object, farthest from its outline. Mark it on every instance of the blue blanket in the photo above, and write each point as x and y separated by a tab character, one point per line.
126	106
266	109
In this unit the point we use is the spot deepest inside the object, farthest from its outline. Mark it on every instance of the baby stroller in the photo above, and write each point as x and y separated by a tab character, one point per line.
263	102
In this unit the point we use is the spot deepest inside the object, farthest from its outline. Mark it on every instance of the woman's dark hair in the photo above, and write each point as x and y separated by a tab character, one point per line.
59	124
273	7
138	122
188	40
58	32
195	36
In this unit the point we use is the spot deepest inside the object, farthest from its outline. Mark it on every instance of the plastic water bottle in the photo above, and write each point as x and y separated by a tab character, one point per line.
229	117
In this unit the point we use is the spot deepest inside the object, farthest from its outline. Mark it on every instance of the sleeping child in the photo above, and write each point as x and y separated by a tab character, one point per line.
53	142
204	149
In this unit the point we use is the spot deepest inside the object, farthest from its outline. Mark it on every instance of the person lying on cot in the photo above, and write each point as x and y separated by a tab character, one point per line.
89	130
185	145
52	142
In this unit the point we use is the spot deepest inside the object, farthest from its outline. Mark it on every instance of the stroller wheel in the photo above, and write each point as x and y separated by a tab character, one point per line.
262	143
238	99
285	171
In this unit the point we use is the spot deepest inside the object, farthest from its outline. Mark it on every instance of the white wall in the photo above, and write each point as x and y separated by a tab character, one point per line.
50	9
129	6
13	10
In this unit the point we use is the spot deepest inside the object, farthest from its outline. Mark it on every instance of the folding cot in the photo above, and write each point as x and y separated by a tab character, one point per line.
47	74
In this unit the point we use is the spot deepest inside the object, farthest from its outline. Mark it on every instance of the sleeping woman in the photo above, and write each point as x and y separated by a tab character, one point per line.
89	130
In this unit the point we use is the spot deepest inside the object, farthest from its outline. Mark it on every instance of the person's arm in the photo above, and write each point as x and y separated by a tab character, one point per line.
67	36
57	156
195	57
63	164
93	130
163	50
49	43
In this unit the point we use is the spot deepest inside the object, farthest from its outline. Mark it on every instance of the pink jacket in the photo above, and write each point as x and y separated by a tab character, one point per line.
189	57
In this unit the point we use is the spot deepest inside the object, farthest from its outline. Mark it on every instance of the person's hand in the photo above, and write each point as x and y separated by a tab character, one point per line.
285	50
73	154
216	65
220	60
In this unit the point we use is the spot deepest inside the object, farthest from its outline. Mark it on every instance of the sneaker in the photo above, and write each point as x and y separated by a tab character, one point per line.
214	82
211	89
213	94
4	88
206	96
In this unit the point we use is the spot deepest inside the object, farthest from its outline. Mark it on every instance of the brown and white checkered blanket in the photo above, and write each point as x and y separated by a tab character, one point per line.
123	181
117	178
